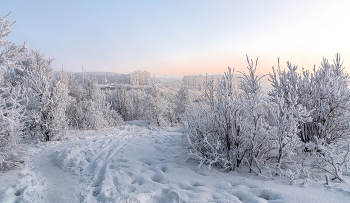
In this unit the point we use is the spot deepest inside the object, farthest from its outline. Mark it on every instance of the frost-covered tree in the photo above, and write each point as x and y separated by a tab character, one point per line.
123	101
76	94
227	115
11	126
256	131
37	82
58	108
11	110
286	113
10	54
158	106
75	88
134	104
45	100
182	100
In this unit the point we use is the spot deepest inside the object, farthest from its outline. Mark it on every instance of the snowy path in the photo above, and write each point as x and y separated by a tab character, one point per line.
43	180
139	163
106	145
65	186
62	186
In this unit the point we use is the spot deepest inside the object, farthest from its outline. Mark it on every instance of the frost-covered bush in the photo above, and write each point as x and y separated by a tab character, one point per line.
229	127
214	126
127	101
302	125
256	131
203	144
134	106
91	116
150	103
324	93
286	113
285	120
89	109
159	106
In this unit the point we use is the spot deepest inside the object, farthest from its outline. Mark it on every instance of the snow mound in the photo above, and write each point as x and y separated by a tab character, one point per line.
28	188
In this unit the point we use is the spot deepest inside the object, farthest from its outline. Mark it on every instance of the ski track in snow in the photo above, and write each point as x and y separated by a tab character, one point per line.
141	163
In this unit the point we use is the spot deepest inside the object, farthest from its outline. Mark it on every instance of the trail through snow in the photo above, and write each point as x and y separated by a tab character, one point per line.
140	163
61	185
43	180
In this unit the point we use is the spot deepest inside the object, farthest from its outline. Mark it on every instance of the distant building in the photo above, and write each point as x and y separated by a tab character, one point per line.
139	78
199	80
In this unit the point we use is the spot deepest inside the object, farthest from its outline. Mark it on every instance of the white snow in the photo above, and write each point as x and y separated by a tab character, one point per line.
141	163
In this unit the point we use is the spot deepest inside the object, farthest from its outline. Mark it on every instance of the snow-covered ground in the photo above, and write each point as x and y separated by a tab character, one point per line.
141	163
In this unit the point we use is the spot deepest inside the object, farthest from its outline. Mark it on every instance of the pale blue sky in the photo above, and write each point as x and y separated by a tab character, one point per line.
181	37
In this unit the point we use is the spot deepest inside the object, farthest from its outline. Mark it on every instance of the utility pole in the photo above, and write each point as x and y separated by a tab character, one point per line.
82	67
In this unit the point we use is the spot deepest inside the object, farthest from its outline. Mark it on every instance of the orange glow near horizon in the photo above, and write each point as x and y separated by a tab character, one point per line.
263	67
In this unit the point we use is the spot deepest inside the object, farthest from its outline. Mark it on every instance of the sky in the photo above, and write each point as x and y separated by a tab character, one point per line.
181	37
